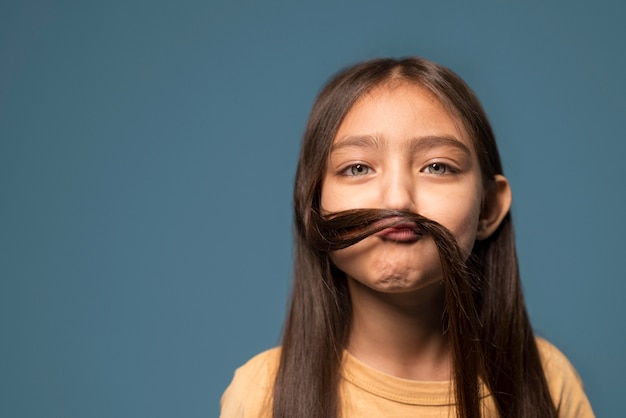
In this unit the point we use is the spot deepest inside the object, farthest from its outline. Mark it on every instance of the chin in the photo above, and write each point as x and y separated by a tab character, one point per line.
396	283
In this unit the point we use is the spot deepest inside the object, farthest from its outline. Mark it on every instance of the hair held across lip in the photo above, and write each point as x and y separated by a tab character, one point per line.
340	230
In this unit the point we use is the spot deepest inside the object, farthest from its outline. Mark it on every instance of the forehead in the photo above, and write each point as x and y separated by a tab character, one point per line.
401	110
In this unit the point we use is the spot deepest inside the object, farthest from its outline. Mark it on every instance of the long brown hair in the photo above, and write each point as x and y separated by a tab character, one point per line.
487	324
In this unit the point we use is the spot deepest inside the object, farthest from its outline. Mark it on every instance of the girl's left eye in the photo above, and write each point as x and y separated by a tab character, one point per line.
357	170
437	168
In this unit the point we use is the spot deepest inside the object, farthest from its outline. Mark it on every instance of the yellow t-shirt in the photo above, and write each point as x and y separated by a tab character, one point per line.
366	392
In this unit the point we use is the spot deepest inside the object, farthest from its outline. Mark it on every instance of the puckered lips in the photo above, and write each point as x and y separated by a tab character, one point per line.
404	232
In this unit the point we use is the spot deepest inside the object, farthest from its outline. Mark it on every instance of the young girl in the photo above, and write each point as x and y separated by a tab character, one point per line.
406	297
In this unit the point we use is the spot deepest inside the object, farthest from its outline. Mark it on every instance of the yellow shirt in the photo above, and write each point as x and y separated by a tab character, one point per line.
367	392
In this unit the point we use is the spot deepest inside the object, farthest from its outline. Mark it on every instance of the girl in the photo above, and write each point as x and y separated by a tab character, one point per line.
406	298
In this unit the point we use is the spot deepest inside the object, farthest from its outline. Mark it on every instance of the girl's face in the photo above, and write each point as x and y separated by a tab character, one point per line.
398	148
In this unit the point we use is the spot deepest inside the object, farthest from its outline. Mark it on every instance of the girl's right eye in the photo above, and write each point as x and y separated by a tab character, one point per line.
356	170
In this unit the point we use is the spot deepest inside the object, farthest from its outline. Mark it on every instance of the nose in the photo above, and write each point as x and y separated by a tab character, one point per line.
398	191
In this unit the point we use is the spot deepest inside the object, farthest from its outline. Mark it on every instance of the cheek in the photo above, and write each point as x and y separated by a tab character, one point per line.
331	200
336	197
352	260
465	231
467	236
461	218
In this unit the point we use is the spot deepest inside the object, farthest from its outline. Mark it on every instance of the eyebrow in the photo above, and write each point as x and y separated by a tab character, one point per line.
416	144
359	141
433	141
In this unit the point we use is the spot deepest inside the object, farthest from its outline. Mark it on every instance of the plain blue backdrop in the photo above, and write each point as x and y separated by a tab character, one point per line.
147	153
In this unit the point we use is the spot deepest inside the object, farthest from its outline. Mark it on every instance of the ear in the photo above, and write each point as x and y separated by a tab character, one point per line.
496	204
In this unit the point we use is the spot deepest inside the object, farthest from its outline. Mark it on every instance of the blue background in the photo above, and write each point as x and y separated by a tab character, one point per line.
147	153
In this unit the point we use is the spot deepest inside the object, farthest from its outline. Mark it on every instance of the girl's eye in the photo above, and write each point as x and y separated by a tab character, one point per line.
359	170
437	168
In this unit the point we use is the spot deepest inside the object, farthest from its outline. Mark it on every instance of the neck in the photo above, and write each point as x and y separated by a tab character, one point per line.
400	334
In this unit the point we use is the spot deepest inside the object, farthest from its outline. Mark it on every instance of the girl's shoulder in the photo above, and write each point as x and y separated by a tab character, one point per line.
566	386
249	393
261	368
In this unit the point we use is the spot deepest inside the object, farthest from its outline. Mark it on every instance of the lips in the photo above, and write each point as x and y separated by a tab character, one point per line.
405	232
